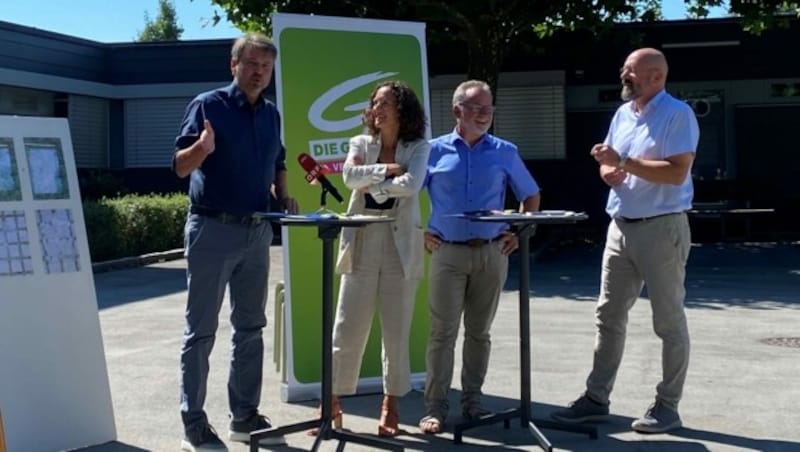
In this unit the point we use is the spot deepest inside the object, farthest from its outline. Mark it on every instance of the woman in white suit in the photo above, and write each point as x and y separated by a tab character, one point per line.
381	263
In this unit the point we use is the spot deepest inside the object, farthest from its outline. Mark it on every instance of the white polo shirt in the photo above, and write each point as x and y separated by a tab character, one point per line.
665	127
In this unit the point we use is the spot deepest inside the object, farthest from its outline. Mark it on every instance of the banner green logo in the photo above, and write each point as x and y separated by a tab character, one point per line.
326	78
327	68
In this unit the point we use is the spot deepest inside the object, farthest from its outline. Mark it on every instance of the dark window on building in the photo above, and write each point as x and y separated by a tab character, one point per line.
61	105
785	90
608	95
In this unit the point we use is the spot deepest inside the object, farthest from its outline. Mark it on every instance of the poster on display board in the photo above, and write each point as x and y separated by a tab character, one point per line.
54	393
326	69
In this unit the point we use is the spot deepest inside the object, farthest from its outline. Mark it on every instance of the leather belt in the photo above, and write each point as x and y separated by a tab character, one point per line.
473	243
639	220
227	218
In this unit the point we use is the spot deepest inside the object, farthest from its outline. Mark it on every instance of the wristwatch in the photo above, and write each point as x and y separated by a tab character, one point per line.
623	159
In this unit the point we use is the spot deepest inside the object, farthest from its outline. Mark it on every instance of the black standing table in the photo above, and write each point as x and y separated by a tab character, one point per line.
328	227
525	223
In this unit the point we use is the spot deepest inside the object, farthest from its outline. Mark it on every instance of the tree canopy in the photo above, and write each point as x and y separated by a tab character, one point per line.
164	27
487	27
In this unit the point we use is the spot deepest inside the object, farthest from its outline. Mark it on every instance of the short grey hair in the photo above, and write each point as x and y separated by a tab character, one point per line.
461	91
256	40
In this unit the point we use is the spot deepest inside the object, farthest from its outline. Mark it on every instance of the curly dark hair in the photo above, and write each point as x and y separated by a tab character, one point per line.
411	114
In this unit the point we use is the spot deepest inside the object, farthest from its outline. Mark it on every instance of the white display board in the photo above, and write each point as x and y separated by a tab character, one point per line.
54	392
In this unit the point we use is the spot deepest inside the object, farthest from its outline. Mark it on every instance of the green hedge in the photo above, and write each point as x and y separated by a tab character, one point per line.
134	225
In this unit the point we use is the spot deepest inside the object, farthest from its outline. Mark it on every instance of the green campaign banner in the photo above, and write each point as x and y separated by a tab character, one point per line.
326	69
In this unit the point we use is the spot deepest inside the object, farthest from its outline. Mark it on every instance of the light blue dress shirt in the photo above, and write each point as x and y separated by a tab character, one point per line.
665	127
462	179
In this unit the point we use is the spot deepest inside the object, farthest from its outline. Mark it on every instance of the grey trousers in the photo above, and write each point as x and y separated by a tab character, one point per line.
651	253
220	255
376	282
468	281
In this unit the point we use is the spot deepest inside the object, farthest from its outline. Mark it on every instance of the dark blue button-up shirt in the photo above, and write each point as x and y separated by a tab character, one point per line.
237	176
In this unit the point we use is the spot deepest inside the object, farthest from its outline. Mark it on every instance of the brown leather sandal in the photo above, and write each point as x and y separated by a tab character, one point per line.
336	416
388	426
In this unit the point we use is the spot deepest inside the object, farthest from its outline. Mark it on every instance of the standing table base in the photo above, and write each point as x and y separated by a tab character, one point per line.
328	228
526	225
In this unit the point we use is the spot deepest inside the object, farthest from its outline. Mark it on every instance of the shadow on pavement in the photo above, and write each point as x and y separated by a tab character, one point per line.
721	275
128	286
114	446
621	424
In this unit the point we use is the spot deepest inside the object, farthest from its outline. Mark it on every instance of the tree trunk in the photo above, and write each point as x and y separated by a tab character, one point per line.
486	54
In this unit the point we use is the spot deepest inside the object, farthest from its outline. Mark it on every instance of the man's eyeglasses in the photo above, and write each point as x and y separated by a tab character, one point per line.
478	108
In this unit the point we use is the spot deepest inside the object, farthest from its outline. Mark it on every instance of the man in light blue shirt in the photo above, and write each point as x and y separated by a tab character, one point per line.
646	159
468	170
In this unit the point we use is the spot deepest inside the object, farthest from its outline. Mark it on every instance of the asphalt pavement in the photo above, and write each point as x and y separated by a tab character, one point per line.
742	391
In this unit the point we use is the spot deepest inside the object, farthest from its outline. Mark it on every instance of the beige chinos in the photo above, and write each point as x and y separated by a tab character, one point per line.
463	280
654	253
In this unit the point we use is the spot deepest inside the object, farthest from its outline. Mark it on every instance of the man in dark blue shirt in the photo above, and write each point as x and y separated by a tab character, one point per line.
229	142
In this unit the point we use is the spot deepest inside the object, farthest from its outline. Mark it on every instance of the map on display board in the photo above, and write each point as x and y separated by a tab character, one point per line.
9	178
47	287
15	250
48	180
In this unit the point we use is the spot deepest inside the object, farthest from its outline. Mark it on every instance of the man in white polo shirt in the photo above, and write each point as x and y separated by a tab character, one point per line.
646	159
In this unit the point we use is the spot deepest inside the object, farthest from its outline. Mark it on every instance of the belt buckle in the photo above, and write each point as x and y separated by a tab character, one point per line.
251	220
475	243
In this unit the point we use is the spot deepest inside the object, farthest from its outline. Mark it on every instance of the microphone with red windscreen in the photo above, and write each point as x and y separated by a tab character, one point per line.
315	171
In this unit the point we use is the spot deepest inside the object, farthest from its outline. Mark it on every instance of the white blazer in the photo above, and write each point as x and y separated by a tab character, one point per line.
407	227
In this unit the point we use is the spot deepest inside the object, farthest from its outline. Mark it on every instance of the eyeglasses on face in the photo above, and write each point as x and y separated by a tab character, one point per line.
478	108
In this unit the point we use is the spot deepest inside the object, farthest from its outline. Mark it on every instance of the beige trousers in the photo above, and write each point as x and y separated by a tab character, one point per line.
468	281
650	253
376	282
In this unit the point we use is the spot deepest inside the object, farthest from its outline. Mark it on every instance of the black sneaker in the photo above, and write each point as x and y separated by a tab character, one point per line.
201	438
583	409
659	419
240	431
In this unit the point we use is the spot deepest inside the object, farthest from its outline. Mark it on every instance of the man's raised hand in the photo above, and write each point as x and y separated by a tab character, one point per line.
207	137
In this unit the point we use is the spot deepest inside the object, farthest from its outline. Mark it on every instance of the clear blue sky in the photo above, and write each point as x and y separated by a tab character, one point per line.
121	20
112	20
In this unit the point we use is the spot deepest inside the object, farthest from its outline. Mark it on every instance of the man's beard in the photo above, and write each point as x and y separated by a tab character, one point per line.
482	129
628	93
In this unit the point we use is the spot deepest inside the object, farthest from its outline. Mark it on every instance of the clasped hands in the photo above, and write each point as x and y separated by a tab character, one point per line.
609	159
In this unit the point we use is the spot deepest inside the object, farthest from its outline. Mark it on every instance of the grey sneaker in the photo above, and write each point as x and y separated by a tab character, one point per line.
659	419
201	438
240	431
583	409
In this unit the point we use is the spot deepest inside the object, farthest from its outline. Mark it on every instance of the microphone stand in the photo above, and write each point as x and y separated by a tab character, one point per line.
323	197
328	228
